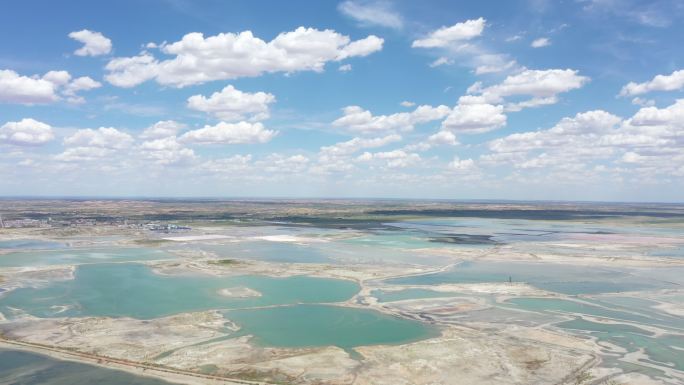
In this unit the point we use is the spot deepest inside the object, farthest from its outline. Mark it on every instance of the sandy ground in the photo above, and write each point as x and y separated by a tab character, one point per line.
472	357
138	340
137	369
176	342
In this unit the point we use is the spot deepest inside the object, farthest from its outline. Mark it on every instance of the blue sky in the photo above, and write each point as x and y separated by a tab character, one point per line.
571	100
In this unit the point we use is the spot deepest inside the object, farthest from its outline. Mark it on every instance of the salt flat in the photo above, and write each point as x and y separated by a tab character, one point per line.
417	300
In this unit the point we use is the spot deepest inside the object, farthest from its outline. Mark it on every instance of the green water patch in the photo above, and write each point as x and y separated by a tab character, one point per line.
502	230
628	302
592	287
582	324
391	239
639	306
413	239
406	294
133	290
79	256
333	251
574	307
30	244
326	325
23	368
417	234
664	351
270	251
566	279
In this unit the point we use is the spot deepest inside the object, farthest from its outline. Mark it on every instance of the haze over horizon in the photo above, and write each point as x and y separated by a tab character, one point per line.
523	100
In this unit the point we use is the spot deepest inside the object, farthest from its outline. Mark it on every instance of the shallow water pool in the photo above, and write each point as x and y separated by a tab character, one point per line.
324	325
133	290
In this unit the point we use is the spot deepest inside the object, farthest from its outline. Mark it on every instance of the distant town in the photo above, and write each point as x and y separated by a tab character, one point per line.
88	222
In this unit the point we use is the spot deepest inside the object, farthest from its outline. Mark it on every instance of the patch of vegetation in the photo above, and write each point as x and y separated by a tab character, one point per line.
333	222
150	242
225	262
583	378
208	369
534	364
586	378
270	376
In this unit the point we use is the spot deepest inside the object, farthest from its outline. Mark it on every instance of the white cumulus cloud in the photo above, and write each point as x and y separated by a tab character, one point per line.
650	143
443	138
15	88
392	159
543	86
356	119
199	59
94	43
357	144
162	129
166	151
462	165
440	138
457	33
26	132
230	133
339	156
84	83
103	137
87	145
49	88
231	104
671	82
472	117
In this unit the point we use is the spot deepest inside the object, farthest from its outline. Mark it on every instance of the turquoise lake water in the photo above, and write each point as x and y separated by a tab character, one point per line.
78	256
517	230
324	325
402	240
269	251
133	290
500	230
664	350
366	249
566	279
30	244
23	368
617	313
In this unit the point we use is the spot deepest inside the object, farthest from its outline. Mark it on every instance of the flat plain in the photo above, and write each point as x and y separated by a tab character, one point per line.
341	292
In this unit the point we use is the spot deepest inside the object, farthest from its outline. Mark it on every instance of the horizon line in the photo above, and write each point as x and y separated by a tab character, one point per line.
320	198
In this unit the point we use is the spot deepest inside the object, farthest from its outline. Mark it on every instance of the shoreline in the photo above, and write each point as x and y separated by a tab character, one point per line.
168	374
